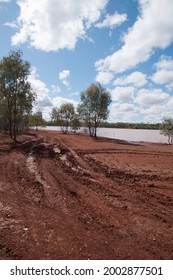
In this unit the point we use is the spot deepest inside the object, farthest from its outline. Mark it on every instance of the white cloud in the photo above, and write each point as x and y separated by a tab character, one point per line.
58	101
43	101
123	112
63	76
152	29
170	86
165	62
164	72
104	77
123	94
112	21
55	89
51	25
128	112
137	79
76	93
163	77
150	97
12	24
156	113
147	105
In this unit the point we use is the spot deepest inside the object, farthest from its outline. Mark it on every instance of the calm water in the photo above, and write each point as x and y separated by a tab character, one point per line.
137	135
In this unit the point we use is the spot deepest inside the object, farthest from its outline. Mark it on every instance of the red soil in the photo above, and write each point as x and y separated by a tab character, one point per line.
73	197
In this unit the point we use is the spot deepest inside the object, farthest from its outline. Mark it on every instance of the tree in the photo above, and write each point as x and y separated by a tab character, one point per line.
15	91
75	123
55	116
3	115
93	108
64	116
167	129
37	120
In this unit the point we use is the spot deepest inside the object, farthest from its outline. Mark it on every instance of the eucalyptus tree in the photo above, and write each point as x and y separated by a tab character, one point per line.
65	116
94	107
36	120
166	128
15	90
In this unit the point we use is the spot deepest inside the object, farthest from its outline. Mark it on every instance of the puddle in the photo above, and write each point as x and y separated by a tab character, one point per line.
32	166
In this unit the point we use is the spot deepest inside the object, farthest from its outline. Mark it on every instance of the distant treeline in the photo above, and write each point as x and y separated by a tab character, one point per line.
118	125
131	125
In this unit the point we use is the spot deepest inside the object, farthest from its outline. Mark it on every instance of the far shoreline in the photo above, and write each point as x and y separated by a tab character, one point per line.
124	134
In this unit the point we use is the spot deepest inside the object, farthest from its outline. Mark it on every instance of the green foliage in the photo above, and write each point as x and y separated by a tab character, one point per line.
55	117
75	123
16	96
167	129
36	120
131	125
65	116
93	108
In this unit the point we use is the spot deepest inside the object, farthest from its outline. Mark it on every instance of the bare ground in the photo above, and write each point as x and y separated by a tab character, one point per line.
73	197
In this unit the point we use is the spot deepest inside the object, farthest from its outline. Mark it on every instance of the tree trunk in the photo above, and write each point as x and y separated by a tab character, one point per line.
10	128
14	131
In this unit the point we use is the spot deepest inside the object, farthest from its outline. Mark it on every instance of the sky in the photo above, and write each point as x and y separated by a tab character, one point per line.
126	45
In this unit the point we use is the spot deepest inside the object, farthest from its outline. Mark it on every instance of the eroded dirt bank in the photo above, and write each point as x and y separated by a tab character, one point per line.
72	197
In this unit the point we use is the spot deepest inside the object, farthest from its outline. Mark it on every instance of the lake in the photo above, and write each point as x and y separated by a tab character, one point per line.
136	135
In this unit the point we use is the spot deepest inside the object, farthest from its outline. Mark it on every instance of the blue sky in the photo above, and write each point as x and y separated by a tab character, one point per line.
126	45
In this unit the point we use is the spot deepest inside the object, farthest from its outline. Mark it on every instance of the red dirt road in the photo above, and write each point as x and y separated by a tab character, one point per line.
73	197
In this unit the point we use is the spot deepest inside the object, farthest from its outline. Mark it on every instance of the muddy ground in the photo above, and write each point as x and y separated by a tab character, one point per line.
73	197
